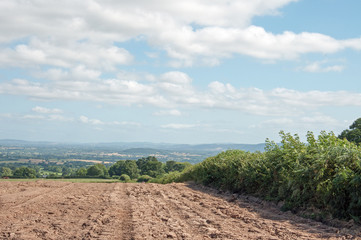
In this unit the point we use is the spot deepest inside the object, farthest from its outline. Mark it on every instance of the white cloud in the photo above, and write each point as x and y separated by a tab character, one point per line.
38	109
173	112
86	120
278	122
40	117
179	126
308	121
77	73
152	54
320	119
6	115
175	90
60	118
29	116
353	43
323	66
109	19
67	33
41	52
176	77
175	84
97	122
224	130
125	92
126	123
214	43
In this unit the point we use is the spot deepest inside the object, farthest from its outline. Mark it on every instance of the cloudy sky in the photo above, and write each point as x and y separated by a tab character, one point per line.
191	71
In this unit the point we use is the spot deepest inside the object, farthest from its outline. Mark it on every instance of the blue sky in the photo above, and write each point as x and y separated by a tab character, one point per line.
191	71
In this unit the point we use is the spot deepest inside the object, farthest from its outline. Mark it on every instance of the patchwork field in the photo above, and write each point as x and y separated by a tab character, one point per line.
67	210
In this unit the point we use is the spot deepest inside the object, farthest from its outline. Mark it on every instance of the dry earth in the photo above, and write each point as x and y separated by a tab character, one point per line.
62	210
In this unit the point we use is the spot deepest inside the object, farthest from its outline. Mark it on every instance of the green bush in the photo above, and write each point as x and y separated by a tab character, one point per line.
124	178
53	176
144	178
324	173
5	172
168	178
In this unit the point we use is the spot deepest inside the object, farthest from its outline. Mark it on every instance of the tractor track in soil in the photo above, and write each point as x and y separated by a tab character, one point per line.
60	210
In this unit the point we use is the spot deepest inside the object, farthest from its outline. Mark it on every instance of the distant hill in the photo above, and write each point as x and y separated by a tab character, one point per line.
220	147
12	142
118	150
145	151
143	146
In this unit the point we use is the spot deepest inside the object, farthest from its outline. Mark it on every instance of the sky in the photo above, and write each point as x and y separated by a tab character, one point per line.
191	71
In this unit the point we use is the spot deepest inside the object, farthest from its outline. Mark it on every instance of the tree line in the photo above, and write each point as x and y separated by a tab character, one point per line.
143	169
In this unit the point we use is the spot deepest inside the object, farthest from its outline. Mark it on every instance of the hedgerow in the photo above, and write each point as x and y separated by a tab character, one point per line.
324	173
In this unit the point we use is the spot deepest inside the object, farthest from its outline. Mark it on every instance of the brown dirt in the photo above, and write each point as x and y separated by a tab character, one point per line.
61	210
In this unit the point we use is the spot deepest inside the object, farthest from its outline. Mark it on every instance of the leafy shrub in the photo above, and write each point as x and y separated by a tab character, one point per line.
173	166
5	172
53	176
144	178
124	178
168	178
324	173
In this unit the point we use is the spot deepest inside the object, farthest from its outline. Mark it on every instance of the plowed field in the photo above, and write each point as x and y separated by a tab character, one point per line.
63	210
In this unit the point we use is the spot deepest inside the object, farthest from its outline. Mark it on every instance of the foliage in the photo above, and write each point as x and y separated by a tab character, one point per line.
53	176
144	178
81	172
66	171
172	166
51	168
324	173
124	178
24	172
97	170
354	134
6	172
128	167
150	166
168	178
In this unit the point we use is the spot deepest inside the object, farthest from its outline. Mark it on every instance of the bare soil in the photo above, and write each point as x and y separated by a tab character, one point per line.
63	210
